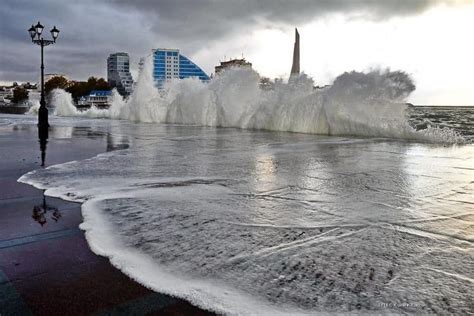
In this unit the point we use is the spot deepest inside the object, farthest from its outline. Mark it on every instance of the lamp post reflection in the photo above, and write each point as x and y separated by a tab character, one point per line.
39	212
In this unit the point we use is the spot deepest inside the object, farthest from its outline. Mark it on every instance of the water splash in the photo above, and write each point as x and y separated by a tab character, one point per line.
33	107
64	106
360	104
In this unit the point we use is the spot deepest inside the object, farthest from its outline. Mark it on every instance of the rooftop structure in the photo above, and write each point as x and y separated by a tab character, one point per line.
232	63
169	64
100	93
118	73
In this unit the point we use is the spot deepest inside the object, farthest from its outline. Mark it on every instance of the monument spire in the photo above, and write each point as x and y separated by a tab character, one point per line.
295	68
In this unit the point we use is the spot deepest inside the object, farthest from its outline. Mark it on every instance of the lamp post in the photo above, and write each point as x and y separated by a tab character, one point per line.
43	125
35	33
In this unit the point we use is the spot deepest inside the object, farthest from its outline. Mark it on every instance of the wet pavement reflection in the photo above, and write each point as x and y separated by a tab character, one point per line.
46	266
43	135
40	212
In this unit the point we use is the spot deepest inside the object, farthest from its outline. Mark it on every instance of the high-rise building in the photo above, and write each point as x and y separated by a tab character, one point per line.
170	64
118	73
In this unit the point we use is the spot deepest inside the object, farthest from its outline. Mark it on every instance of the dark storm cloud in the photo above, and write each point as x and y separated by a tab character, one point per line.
210	19
90	30
88	33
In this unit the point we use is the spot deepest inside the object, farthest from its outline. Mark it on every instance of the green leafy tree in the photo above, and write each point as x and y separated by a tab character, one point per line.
19	94
81	88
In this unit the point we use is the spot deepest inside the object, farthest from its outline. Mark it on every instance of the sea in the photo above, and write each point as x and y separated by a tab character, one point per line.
290	201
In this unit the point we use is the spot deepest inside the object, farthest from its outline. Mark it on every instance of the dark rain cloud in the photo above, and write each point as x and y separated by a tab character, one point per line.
211	18
90	30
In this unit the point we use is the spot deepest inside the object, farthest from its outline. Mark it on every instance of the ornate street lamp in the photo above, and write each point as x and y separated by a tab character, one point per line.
43	124
35	33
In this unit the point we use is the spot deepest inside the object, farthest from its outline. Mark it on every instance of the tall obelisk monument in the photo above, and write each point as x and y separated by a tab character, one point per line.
295	69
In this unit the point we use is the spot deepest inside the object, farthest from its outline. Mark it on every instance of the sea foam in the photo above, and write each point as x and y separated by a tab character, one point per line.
358	104
240	221
254	222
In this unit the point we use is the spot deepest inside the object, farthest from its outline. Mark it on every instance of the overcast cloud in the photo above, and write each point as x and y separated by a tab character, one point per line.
90	30
203	29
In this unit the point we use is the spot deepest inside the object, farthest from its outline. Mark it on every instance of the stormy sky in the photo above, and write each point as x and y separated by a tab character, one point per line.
429	39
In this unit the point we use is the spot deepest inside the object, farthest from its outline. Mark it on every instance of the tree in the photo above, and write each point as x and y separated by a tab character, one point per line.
19	94
91	83
55	83
77	89
81	88
101	84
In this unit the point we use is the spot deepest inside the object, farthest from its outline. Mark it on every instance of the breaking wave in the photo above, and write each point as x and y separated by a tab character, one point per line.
360	104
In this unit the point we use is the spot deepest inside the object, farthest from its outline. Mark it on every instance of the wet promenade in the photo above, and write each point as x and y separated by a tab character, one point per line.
46	267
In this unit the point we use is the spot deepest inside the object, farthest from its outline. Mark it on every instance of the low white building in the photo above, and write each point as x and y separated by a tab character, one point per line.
97	98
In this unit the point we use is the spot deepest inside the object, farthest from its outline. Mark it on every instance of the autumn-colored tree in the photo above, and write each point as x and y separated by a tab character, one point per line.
55	83
19	94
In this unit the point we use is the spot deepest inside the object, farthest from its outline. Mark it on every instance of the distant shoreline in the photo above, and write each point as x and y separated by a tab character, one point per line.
469	107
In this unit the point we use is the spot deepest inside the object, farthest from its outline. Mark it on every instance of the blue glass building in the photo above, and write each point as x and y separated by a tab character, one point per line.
170	64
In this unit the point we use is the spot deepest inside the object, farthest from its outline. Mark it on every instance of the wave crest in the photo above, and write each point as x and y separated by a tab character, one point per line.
359	104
